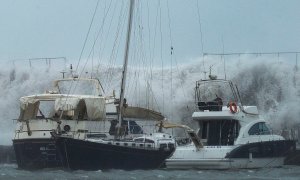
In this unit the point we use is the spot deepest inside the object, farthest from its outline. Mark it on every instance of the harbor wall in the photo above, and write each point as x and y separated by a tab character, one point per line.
7	154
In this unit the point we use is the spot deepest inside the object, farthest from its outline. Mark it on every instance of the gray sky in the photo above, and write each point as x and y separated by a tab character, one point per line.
44	28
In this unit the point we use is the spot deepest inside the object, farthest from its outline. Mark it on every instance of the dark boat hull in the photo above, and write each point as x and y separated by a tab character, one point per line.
86	155
251	155
37	154
265	149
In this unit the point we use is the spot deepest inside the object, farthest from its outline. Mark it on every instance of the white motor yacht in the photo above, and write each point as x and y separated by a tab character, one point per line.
230	135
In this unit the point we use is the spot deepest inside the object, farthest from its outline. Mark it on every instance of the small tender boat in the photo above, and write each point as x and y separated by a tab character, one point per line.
230	135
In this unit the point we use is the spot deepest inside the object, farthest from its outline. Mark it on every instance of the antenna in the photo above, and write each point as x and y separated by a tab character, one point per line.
223	58
204	72
296	66
212	77
63	74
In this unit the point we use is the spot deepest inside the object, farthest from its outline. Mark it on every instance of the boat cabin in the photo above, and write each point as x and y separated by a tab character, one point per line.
218	132
218	126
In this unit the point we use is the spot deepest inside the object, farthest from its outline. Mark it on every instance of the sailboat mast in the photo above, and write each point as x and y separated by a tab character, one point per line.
124	72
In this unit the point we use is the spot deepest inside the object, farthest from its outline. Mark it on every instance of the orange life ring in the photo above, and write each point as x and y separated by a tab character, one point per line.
233	107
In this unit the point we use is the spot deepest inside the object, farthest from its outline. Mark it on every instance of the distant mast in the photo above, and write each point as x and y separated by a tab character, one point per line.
124	72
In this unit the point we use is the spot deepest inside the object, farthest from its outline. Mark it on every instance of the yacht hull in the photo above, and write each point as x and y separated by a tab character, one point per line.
251	155
225	163
86	155
265	149
37	153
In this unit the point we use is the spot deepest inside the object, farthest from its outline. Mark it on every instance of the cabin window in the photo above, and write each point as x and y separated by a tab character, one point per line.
46	109
204	130
134	128
82	87
259	129
139	140
113	127
171	145
212	95
218	132
96	136
149	141
162	146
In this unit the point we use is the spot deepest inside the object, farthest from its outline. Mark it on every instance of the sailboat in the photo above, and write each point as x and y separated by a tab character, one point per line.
125	145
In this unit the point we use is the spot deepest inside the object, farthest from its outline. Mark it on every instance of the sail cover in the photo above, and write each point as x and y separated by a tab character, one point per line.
95	107
66	104
141	113
28	108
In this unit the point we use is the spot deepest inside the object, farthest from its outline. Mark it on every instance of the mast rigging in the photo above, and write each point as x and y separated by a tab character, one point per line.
124	72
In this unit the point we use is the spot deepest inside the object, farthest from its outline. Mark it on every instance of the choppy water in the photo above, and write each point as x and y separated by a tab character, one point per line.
286	172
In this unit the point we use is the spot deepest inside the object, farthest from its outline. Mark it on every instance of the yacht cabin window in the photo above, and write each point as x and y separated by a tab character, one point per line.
218	132
81	87
143	140
130	127
139	140
45	110
259	129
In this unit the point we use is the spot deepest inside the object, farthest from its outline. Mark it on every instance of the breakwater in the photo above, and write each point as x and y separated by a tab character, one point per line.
7	154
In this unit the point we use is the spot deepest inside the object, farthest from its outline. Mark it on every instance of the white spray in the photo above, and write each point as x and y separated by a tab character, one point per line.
268	83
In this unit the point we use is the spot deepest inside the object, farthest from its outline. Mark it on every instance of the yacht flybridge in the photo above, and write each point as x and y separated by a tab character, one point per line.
230	135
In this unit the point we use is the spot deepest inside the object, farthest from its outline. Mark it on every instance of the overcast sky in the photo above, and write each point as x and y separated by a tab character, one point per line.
50	28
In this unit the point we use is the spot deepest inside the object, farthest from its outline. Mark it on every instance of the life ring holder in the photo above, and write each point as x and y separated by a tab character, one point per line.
233	107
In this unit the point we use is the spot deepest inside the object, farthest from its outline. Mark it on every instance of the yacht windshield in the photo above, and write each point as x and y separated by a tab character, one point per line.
78	87
208	91
259	129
